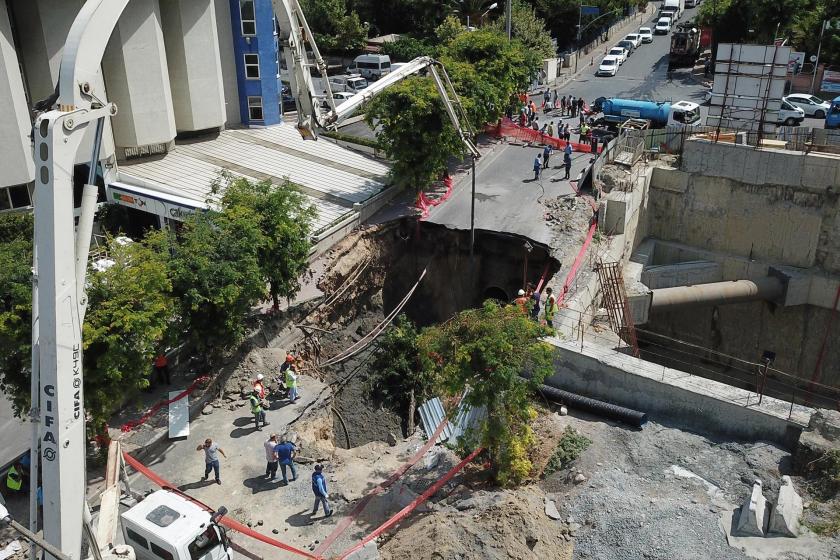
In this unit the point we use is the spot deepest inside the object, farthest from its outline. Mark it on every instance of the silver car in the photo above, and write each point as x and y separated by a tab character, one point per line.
811	104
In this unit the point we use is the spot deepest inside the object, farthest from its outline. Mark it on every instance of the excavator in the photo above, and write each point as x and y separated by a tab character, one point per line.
60	302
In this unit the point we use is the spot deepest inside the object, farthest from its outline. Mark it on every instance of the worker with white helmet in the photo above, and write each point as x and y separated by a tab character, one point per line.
521	300
259	386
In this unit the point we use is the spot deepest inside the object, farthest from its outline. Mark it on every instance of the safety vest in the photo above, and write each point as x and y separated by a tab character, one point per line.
291	379
14	480
256	408
550	305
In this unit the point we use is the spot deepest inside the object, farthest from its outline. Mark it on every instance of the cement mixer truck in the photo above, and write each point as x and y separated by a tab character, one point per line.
658	114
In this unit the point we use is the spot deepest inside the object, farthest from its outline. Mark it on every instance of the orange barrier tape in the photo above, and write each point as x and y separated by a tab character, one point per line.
344	523
410	507
425	203
226	521
131	424
510	129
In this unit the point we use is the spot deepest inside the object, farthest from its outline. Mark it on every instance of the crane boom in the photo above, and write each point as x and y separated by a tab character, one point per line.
59	300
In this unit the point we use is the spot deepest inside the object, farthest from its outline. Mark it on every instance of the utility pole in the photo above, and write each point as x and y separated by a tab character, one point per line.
508	18
472	215
817	61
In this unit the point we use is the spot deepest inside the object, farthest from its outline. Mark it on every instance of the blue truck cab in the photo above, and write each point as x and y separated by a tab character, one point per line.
832	119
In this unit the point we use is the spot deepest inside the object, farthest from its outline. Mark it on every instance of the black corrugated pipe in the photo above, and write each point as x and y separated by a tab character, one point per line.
626	415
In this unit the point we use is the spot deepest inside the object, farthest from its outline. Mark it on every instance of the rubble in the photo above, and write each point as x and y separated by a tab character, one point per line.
551	509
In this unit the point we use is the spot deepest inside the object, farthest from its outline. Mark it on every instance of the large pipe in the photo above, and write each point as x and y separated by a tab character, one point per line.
626	415
717	293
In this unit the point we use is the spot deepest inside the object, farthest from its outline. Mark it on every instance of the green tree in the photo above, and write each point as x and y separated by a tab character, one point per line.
416	17
129	313
487	350
16	308
757	21
216	275
529	29
447	31
397	376
470	10
335	28
414	130
285	219
407	48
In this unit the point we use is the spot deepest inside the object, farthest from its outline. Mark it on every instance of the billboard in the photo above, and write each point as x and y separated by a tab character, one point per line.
830	81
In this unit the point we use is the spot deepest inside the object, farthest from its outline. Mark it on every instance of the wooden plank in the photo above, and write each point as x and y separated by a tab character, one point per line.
179	416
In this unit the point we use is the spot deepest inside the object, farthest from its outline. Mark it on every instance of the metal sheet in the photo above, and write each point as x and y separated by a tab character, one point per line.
744	102
748	86
179	416
431	415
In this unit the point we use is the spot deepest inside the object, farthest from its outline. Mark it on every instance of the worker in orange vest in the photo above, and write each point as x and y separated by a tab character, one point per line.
161	369
521	301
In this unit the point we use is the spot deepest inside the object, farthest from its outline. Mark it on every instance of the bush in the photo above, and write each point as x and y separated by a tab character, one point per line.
407	48
569	448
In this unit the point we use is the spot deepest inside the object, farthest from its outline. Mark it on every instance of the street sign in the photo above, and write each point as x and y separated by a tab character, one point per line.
590	10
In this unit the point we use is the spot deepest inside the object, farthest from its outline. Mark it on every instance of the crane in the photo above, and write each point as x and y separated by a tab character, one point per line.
60	268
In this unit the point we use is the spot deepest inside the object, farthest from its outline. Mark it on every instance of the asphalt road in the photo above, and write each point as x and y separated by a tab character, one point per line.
15	437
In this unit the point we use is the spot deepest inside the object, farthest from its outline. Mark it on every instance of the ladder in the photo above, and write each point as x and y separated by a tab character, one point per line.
611	281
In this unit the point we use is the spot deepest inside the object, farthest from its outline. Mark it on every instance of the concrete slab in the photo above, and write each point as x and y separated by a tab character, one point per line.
179	416
806	547
754	514
785	517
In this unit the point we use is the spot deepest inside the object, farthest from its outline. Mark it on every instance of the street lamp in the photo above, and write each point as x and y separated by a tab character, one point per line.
492	7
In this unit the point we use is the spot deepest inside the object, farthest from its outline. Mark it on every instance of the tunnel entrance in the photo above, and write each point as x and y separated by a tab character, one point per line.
501	265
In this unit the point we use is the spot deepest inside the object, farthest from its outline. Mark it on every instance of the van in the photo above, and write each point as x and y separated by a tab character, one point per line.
352	83
371	66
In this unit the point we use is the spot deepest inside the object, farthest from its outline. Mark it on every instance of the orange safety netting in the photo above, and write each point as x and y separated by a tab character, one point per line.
425	202
509	129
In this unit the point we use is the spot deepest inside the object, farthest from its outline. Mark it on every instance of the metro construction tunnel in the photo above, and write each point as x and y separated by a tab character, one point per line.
503	264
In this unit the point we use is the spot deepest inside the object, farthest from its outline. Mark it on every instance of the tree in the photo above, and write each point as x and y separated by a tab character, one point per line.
487	350
335	28
285	219
529	29
397	376
471	10
130	310
447	31
757	21
407	48
16	308
414	130
417	17
216	275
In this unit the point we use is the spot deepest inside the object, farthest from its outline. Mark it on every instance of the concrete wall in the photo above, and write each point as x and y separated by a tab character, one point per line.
195	72
672	397
787	225
224	31
15	148
138	78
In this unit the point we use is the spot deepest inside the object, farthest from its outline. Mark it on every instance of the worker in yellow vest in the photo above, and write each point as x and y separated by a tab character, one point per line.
550	307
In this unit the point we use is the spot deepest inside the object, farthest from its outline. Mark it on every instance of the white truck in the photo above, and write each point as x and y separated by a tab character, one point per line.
673	9
168	526
350	83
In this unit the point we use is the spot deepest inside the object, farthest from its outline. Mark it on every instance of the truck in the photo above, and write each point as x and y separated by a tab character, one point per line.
658	113
685	46
832	119
673	9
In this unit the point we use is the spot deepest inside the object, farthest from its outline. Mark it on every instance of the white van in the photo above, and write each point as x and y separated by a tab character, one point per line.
371	66
352	83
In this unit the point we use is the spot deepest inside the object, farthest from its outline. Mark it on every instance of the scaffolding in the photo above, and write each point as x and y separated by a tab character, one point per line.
615	301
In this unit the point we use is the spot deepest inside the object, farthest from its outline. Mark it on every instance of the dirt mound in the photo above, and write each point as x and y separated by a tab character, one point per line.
500	525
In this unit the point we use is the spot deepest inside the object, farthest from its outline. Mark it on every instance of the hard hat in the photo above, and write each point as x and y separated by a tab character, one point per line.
521	292
290	358
259	377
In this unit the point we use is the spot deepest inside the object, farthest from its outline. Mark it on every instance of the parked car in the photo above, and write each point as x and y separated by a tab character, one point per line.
663	26
811	104
646	34
627	46
635	38
339	97
608	66
619	53
790	115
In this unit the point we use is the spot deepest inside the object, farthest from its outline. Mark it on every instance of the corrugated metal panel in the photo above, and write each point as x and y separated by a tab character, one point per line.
432	414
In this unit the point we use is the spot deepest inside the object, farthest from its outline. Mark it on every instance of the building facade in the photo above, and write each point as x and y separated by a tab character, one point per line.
175	68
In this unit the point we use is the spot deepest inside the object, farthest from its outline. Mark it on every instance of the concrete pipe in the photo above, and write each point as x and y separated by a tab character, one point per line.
717	293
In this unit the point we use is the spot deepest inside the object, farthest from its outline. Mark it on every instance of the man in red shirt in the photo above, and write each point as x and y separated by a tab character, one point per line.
161	369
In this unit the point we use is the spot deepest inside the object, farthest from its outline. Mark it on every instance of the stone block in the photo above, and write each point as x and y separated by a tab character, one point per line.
754	515
785	517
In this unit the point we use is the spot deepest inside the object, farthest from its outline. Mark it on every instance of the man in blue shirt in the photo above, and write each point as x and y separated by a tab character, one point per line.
285	453
537	167
319	488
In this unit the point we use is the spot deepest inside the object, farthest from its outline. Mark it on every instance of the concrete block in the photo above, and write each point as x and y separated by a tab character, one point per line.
784	520
797	285
681	274
755	514
639	303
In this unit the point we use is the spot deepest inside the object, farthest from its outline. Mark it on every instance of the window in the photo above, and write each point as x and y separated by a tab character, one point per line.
255	108
204	543
163	516
137	538
247	17
252	66
161	552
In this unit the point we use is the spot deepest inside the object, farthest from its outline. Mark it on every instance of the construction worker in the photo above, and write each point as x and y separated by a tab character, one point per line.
319	488
550	307
260	386
14	478
257	408
161	369
521	300
291	377
211	458
270	457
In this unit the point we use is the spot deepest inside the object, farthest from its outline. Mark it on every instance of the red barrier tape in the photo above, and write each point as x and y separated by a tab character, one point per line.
131	424
226	521
344	523
425	203
410	507
509	129
578	260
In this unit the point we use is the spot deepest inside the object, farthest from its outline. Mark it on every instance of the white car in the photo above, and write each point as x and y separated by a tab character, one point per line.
811	104
339	97
619	53
646	34
790	115
663	26
608	66
635	38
